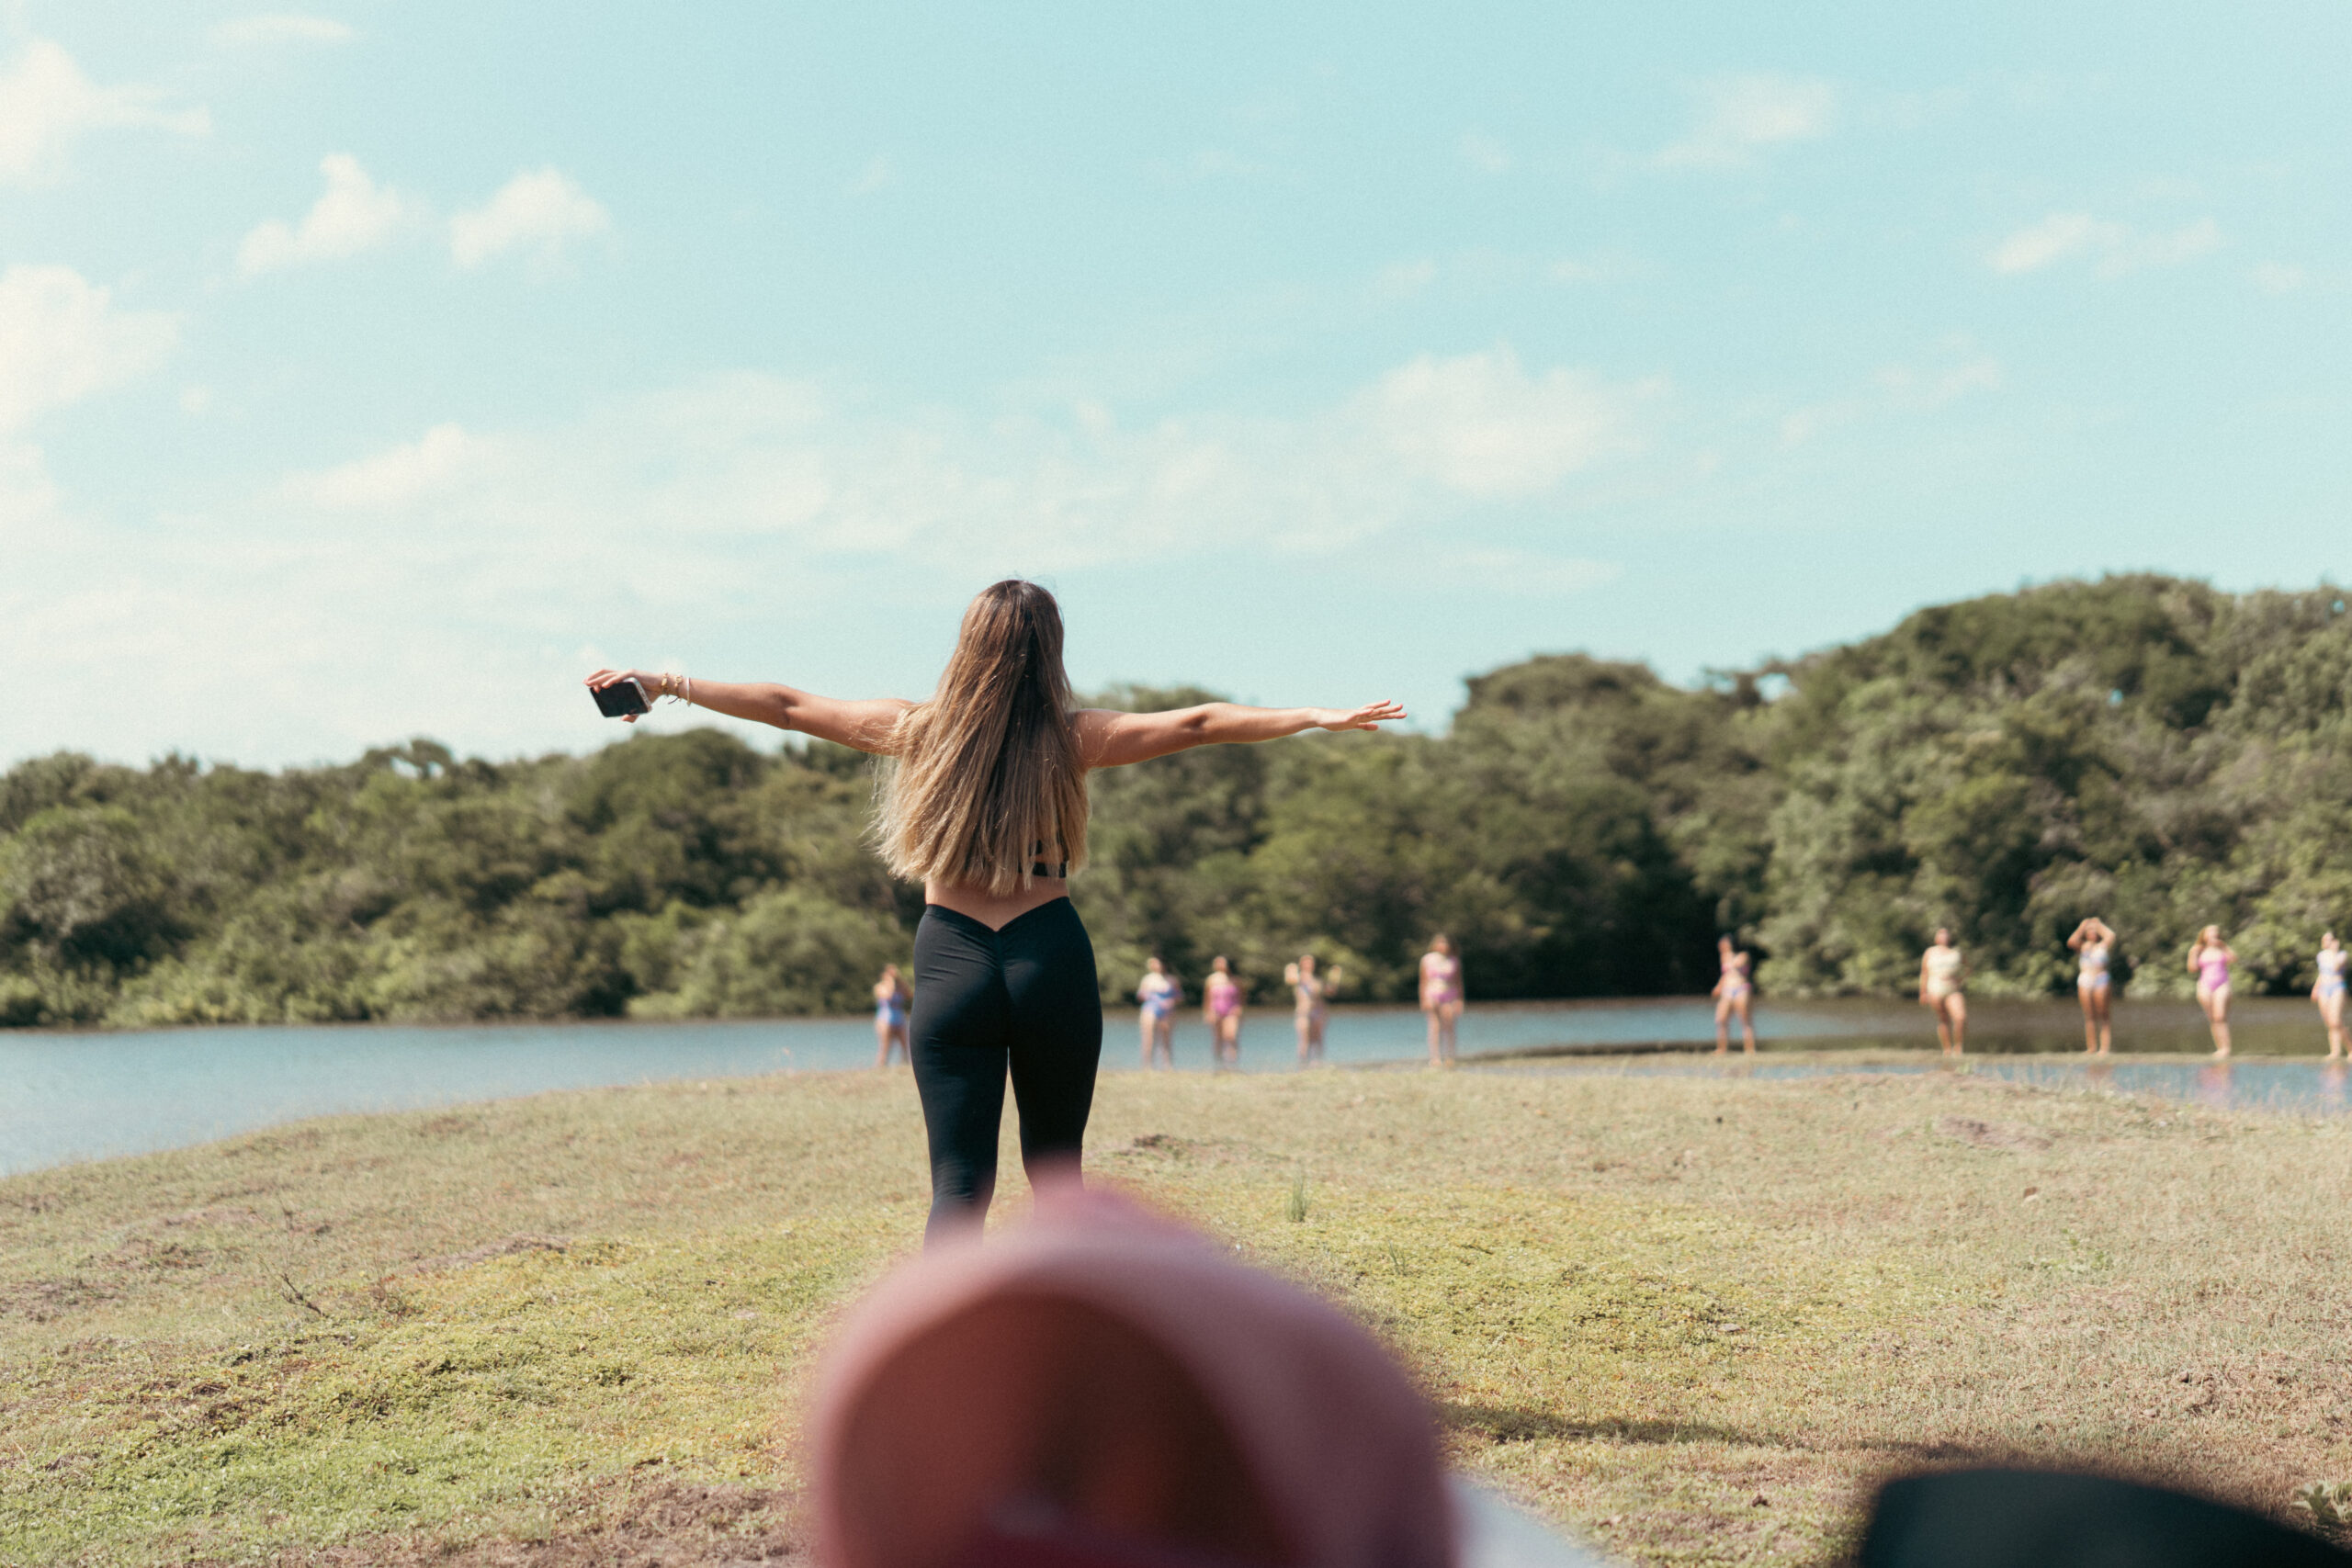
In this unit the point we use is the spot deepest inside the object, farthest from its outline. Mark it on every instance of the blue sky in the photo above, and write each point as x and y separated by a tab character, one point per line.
376	370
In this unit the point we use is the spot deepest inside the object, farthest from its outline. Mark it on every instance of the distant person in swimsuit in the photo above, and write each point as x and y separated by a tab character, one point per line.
1734	992
1159	993
1221	1010
1942	975
891	1000
2329	993
1442	997
1312	1010
2209	959
2094	942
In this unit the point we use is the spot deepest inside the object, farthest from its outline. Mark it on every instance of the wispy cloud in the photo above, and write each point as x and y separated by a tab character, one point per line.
2280	277
539	211
1486	154
281	26
879	173
1741	117
2110	248
47	105
354	214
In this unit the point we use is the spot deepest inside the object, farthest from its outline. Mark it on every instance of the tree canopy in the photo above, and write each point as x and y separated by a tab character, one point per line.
2145	748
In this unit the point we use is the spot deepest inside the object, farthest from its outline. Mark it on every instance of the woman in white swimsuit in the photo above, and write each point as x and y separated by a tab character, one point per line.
2094	942
1221	1009
1312	1011
1442	997
2329	993
1942	973
1734	992
1159	992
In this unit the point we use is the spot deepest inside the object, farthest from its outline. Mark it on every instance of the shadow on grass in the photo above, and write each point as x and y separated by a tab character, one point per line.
1506	1424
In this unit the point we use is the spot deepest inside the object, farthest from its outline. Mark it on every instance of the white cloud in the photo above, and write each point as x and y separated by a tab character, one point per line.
391	478
1741	116
1485	153
2111	247
744	507
2280	277
878	172
354	214
1524	574
281	26
62	340
1932	388
1482	425
47	105
539	209
1402	280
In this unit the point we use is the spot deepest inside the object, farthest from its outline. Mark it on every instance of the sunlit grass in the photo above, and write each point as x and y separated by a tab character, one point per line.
1693	1316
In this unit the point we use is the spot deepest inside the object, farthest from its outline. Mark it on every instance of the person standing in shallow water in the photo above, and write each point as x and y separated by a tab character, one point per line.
1311	1012
1734	992
1942	975
890	1000
984	802
2329	993
2209	959
2094	945
1442	997
1221	1010
1159	994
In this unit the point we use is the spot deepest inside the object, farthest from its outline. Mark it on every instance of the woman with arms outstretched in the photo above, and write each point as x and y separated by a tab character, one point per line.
2093	945
985	803
2209	959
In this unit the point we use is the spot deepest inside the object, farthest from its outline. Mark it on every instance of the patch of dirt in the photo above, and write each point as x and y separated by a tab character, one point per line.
483	1254
46	1300
672	1524
1991	1134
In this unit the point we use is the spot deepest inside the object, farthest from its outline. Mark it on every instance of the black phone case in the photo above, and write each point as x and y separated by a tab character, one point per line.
620	699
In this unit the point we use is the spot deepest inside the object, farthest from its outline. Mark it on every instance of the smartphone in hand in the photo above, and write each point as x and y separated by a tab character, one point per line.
622	698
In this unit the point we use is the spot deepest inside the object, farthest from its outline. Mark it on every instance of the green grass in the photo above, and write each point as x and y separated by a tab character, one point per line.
1694	1317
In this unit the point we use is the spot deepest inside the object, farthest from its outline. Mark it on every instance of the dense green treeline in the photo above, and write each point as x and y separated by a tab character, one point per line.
2146	749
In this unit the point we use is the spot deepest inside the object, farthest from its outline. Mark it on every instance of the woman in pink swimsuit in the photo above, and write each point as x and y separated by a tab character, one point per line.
1221	1009
1734	993
2208	959
1442	997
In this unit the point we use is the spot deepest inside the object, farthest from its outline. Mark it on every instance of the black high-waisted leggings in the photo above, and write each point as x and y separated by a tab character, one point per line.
1022	997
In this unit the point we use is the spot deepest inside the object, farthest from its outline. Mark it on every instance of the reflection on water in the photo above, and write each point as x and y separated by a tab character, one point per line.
81	1096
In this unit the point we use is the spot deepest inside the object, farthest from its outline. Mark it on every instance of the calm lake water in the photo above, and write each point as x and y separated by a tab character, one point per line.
83	1096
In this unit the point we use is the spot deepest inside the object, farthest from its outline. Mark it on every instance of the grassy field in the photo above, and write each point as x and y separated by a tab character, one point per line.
1693	1317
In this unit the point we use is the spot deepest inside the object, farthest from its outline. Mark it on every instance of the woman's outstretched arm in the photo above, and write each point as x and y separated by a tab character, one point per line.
1110	740
865	723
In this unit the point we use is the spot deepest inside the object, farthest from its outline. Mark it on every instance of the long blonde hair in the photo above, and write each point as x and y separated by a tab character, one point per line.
986	780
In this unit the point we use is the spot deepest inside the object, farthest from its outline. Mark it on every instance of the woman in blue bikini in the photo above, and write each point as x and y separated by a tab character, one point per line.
2329	993
1159	993
891	1000
2094	945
